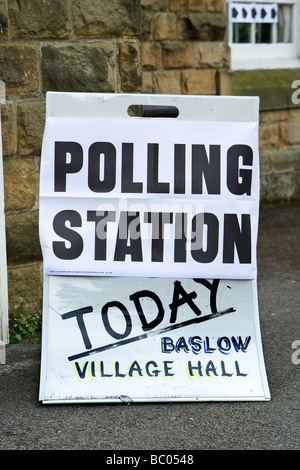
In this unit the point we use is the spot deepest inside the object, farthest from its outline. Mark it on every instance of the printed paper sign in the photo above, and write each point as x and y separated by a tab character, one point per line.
149	197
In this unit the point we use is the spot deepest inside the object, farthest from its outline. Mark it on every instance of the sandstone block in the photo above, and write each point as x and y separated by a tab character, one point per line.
19	184
207	5
31	121
224	82
3	19
25	288
280	115
268	136
46	18
285	160
179	5
151	55
212	54
280	174
22	239
199	82
147	84
204	26
164	26
155	5
294	114
166	81
147	26
107	18
265	164
19	65
8	129
77	67
178	54
289	133
280	187
130	67
274	116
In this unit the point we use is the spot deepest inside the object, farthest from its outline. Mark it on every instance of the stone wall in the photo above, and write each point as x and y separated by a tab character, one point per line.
280	155
184	51
183	46
57	45
279	129
157	46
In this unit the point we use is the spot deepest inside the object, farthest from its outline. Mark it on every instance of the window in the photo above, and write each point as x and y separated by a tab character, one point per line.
263	34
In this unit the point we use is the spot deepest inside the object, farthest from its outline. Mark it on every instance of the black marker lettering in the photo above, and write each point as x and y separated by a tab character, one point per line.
213	287
146	326
79	317
181	297
109	329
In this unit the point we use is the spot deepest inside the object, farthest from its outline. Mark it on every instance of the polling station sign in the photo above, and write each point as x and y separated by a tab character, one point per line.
148	228
149	196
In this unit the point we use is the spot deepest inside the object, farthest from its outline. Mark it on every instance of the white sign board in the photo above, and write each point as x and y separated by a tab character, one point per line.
113	339
143	222
4	330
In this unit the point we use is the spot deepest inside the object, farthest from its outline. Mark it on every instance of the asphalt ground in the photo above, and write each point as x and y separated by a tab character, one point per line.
26	424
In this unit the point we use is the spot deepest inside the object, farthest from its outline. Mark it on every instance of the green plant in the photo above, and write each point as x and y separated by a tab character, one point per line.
25	326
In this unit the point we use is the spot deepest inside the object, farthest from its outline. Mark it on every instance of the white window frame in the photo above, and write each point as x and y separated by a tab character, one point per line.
249	56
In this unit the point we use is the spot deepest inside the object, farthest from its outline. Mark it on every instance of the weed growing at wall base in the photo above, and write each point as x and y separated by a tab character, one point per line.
25	326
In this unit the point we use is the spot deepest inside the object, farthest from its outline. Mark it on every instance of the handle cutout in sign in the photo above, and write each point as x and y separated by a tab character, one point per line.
153	111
